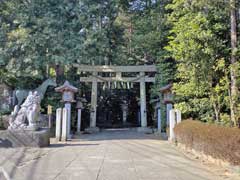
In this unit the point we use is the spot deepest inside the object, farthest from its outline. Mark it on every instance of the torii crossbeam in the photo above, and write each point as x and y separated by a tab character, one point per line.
141	78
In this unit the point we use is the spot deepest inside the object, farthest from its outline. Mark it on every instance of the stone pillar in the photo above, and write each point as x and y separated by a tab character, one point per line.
169	108
172	123
79	120
49	121
124	107
175	118
178	116
64	124
93	115
49	112
68	108
139	117
124	116
159	120
58	123
143	100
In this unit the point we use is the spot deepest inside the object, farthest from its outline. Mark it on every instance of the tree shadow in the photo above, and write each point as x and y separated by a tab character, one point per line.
57	145
18	161
121	134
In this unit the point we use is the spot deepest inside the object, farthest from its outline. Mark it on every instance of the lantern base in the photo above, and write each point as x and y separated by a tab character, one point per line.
92	130
145	130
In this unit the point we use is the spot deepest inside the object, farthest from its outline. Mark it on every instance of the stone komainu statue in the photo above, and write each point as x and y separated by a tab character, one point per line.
27	116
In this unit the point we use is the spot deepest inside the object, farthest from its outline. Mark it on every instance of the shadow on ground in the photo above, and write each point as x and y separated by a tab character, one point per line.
54	145
117	134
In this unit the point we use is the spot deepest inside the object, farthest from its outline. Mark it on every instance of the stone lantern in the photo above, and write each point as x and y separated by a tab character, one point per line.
167	98
67	91
157	113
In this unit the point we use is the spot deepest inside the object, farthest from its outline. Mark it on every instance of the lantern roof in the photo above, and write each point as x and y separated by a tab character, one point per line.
66	87
166	88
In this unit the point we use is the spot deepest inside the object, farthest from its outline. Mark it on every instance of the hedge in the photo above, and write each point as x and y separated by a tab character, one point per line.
216	141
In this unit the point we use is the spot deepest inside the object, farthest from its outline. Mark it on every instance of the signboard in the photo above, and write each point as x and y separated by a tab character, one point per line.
49	110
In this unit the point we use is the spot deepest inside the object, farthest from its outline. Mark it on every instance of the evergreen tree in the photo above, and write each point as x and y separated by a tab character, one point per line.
198	43
189	41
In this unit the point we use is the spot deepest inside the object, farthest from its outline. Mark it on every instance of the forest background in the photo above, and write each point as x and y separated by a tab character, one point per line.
193	43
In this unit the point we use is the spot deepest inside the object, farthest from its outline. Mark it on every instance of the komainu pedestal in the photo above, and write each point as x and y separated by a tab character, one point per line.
24	125
24	138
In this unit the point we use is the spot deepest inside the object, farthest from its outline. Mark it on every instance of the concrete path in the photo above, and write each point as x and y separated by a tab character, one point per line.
109	155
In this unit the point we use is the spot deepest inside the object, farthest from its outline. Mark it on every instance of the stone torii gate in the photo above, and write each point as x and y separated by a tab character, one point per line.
141	78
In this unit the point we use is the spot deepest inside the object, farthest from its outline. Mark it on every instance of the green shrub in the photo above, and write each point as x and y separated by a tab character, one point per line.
216	141
197	108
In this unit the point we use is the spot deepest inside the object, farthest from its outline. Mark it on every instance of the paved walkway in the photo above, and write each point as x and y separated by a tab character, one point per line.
110	155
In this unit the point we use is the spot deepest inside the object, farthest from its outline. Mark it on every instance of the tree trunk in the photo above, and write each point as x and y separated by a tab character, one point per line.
59	73
233	70
217	111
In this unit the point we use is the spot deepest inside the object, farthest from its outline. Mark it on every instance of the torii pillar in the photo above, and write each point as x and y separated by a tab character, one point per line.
93	115
143	101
